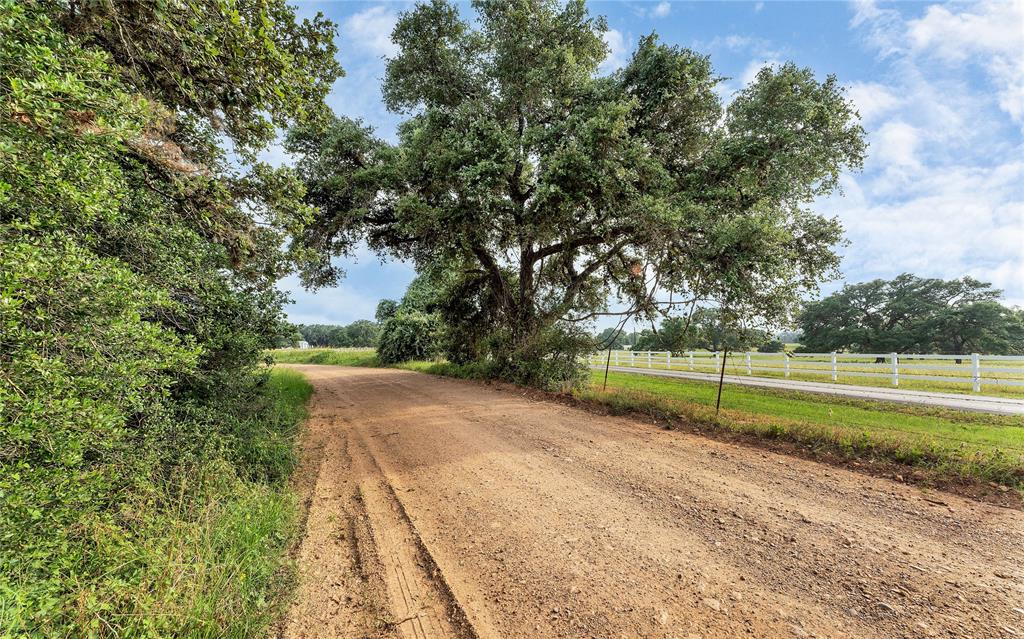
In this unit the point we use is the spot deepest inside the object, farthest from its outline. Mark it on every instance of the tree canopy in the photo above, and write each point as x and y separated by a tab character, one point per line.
138	262
358	333
544	190
910	314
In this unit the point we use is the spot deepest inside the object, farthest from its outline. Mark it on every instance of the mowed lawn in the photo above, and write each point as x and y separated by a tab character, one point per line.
956	442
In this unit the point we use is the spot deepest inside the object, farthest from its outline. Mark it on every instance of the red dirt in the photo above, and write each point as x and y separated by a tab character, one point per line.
445	508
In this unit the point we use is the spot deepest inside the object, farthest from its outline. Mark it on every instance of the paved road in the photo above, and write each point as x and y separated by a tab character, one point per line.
981	403
447	508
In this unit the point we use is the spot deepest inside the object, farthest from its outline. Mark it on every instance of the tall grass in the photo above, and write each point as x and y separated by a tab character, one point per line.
197	551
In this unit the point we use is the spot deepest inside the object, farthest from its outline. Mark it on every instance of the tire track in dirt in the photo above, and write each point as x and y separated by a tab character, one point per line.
540	520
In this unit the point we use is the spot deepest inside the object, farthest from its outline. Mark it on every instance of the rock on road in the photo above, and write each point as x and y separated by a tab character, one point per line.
445	508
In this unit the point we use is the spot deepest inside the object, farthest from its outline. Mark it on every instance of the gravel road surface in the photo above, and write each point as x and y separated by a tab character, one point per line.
445	508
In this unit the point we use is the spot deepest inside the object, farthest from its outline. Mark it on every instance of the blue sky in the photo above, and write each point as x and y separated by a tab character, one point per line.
940	88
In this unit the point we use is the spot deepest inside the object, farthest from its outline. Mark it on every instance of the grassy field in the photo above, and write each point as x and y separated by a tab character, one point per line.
951	443
329	356
819	370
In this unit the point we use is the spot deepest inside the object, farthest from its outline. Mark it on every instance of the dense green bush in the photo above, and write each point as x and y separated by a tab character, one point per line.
143	445
409	335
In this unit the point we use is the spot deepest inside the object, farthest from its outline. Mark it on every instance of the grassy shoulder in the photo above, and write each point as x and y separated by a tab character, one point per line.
949	444
952	443
196	551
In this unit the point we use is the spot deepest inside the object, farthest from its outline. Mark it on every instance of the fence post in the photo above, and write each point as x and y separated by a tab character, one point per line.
835	373
894	359
748	362
691	360
648	359
976	371
716	360
785	360
668	360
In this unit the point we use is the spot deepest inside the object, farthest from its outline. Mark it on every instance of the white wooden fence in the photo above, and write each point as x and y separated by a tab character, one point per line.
976	370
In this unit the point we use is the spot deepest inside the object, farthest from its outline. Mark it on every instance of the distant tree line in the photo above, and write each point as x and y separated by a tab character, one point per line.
907	314
910	314
358	333
704	328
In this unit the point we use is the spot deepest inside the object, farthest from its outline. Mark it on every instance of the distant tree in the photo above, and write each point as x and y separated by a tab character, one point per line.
789	337
910	314
359	333
771	346
979	327
713	330
543	188
362	333
415	329
385	309
612	337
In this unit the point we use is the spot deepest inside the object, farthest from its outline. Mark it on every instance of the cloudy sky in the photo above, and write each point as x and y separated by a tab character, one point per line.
940	88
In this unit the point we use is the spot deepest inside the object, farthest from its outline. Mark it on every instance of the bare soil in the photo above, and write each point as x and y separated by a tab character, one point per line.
443	508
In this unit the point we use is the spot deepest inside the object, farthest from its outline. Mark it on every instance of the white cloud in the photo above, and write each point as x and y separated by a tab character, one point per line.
951	222
873	99
942	193
990	34
618	48
896	144
661	10
370	30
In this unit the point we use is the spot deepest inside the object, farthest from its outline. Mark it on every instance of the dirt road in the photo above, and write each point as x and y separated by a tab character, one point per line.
442	508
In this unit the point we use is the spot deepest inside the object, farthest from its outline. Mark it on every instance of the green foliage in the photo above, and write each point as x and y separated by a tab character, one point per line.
360	333
771	346
542	190
910	314
142	446
385	309
409	335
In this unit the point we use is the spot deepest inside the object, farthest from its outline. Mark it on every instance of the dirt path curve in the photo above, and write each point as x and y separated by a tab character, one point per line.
442	508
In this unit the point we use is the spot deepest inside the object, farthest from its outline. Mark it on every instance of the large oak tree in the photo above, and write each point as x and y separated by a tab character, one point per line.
540	191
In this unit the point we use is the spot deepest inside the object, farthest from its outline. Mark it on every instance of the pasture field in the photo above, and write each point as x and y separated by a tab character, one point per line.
999	378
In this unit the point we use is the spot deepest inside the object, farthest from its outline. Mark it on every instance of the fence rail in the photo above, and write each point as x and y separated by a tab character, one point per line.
974	369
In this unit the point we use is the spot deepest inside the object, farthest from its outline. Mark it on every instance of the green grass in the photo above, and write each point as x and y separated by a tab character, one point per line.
819	370
199	551
218	567
960	444
329	356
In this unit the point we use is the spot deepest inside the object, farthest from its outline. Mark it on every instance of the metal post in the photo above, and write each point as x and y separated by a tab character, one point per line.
835	373
895	361
748	363
785	360
976	371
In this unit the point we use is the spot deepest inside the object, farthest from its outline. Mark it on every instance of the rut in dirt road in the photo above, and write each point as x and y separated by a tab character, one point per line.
444	508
